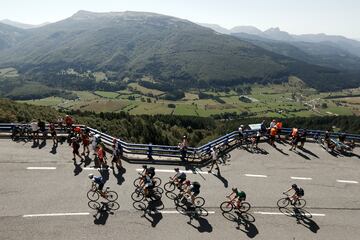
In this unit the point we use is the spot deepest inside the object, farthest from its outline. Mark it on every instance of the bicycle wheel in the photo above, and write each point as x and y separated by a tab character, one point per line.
247	217
159	190
113	205
137	182
137	196
156	195
283	202
300	203
94	205
171	195
156	181
111	196
169	186
226	206
92	195
245	206
139	206
199	201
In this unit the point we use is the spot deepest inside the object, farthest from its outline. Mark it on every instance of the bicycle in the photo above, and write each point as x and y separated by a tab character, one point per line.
171	185
94	194
228	206
179	200
139	194
284	202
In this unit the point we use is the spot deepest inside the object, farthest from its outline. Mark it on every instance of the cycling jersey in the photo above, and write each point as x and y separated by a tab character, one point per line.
180	175
241	195
98	180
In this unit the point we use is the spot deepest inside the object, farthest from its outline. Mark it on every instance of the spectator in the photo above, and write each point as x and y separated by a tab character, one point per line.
53	133
60	123
241	134
272	124
257	140
116	158
69	121
272	136
85	141
263	129
294	139
183	147
101	156
214	158
34	130
342	137
42	128
303	138
75	146
278	129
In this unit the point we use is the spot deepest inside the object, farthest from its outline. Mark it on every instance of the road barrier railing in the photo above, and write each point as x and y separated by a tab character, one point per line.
163	152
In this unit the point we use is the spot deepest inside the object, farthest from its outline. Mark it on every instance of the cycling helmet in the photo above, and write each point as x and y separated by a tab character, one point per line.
234	189
187	182
176	169
294	186
144	166
91	175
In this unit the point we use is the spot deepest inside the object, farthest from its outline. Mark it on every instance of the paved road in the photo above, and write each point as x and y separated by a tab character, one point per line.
331	186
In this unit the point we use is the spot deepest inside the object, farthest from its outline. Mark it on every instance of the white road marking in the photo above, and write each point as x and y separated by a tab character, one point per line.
279	213
173	171
41	168
176	212
302	178
95	169
254	175
347	181
56	214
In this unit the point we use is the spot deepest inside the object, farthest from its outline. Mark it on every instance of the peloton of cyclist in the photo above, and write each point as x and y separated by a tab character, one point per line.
298	193
238	195
179	178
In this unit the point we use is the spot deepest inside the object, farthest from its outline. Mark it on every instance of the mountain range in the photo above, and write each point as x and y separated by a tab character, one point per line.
175	52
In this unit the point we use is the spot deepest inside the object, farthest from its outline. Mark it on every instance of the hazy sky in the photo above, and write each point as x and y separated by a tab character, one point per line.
340	17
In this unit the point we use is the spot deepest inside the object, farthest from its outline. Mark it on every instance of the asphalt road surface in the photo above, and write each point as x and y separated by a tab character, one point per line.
43	196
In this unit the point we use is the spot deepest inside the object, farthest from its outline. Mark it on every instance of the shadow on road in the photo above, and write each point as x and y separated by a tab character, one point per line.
222	179
244	222
308	152
302	217
151	212
78	169
119	175
102	214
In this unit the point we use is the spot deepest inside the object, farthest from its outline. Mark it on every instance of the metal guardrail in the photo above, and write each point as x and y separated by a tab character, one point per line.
150	150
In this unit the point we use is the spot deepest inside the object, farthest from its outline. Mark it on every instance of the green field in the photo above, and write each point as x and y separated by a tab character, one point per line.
281	100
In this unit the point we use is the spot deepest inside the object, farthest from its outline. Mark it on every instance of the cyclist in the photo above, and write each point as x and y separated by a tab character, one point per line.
75	145
238	195
116	155
298	193
193	190
303	138
272	136
99	181
179	178
147	185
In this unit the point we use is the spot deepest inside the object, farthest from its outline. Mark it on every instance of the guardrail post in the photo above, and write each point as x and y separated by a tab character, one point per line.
150	151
